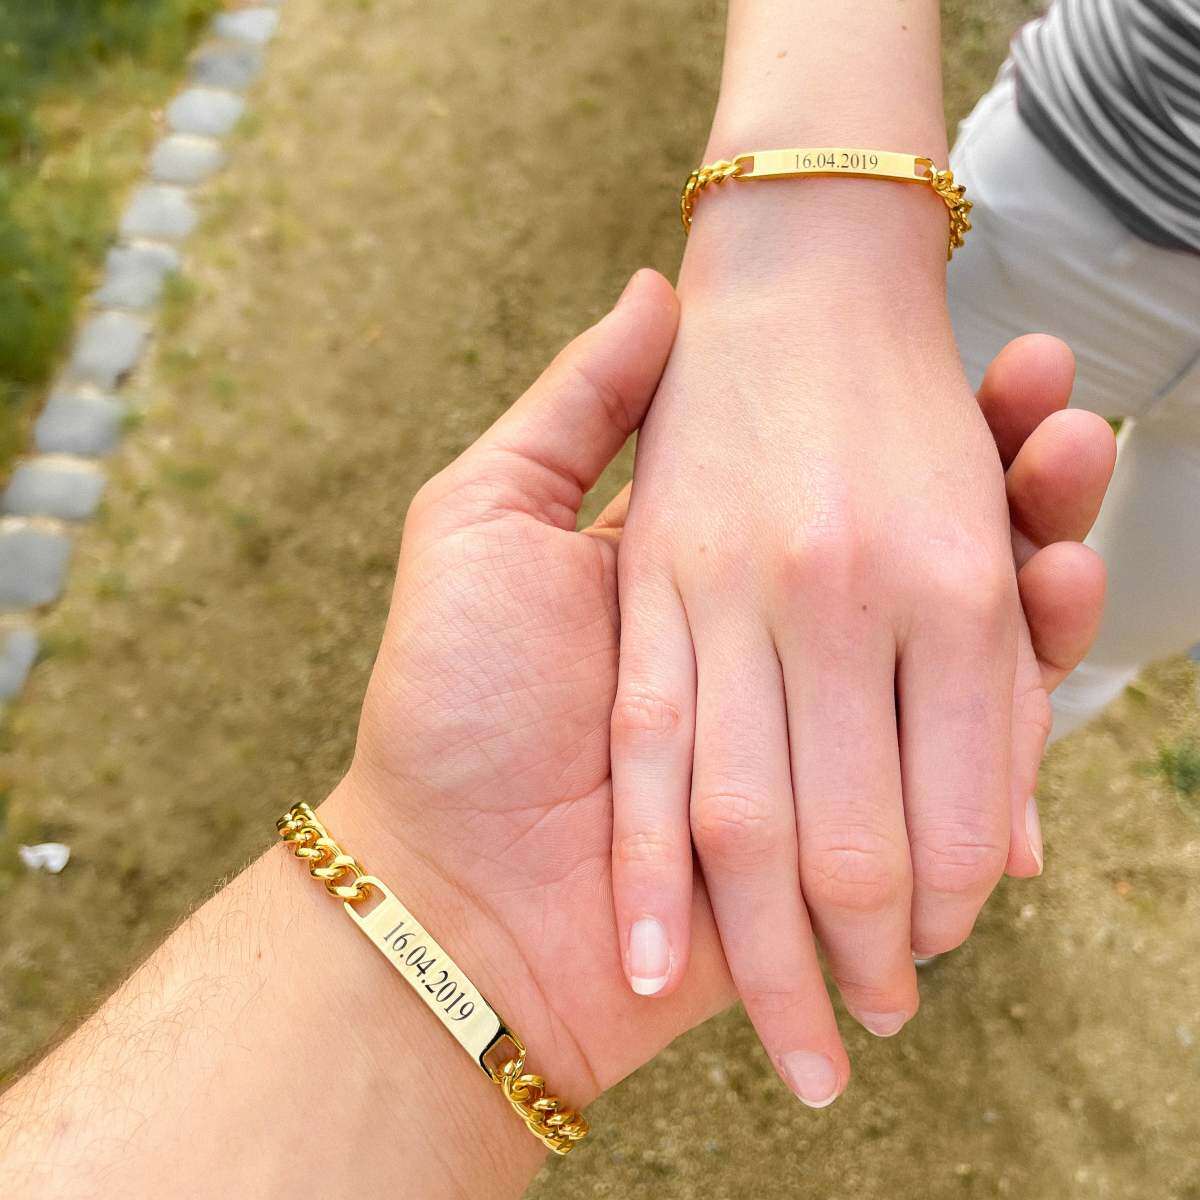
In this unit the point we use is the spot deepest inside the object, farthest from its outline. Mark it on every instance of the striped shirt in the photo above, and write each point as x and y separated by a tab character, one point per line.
1112	89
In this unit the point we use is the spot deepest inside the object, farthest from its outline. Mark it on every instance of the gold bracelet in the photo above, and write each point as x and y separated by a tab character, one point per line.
444	987
834	160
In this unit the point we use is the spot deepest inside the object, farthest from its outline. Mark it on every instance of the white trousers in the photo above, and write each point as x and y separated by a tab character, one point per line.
1045	256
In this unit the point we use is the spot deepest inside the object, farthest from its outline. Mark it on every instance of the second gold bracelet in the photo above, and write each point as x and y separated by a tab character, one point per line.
834	160
434	976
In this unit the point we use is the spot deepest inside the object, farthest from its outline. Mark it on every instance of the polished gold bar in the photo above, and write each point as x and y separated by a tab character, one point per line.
433	975
831	160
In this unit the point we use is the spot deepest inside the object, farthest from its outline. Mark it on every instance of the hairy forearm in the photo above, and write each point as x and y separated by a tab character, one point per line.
264	1050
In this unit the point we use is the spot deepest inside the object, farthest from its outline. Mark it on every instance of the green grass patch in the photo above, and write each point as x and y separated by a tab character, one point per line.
112	585
189	477
1179	766
178	300
79	81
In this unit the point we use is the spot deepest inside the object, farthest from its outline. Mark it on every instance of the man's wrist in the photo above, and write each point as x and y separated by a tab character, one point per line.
264	1040
358	813
419	1076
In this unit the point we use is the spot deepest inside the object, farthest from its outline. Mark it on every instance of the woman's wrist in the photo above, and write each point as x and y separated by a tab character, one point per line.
814	278
872	237
820	75
869	237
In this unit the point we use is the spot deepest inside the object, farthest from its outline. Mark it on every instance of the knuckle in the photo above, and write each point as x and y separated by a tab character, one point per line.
455	490
718	570
772	1000
853	872
647	848
825	559
1033	711
733	828
598	388
638	715
976	588
960	860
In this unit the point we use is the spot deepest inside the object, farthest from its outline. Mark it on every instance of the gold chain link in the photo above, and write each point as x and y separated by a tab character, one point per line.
952	194
546	1116
326	860
698	180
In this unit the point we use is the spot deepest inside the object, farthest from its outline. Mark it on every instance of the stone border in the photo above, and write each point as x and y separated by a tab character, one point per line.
61	481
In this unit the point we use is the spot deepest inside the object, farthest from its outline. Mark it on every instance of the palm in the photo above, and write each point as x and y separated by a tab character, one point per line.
490	709
510	722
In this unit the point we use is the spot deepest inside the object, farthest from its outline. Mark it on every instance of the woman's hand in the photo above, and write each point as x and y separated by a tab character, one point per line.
481	780
826	684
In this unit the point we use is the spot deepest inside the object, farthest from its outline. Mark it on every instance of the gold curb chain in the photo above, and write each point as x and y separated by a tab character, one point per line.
468	1016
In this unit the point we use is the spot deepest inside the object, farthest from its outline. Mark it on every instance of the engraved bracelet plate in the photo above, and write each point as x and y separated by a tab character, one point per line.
433	975
831	160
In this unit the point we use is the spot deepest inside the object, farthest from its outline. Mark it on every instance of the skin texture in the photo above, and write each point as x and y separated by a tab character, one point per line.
827	686
265	1046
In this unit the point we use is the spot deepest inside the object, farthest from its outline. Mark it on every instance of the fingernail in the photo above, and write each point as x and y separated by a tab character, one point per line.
649	956
882	1024
1033	831
813	1077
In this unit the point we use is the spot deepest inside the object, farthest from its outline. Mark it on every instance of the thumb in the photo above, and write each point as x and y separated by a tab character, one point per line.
548	450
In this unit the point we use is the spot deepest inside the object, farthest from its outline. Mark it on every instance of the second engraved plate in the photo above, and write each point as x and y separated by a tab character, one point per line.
433	975
831	160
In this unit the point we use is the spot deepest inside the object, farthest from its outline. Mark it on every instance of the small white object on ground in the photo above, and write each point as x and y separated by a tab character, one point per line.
45	856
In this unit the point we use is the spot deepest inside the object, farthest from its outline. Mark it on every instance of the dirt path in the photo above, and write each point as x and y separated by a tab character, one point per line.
432	198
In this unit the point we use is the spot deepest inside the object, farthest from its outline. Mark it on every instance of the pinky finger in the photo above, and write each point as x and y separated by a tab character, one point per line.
1062	592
